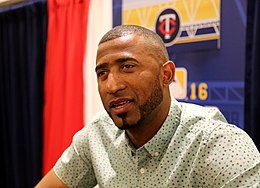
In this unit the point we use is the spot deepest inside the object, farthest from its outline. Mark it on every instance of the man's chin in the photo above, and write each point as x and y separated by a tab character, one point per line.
127	126
124	123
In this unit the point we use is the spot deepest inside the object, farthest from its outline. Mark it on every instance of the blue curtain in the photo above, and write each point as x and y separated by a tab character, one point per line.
252	82
23	29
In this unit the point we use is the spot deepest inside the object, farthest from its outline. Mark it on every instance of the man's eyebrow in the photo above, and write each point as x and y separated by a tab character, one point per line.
117	61
124	59
101	66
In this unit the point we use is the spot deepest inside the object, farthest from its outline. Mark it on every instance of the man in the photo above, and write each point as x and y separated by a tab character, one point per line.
145	138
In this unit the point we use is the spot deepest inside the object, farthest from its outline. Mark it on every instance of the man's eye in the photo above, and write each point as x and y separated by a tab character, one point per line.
101	73
127	66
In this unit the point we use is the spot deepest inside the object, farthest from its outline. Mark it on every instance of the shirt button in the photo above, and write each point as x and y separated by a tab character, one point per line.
156	154
142	170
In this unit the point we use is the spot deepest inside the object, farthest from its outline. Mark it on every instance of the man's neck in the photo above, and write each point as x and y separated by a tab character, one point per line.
145	132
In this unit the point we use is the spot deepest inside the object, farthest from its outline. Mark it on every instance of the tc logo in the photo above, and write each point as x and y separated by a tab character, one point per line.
168	25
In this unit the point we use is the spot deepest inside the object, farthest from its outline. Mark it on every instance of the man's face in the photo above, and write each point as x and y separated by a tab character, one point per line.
129	81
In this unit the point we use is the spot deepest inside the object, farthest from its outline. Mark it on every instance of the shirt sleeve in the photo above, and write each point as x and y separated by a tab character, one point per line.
231	159
74	167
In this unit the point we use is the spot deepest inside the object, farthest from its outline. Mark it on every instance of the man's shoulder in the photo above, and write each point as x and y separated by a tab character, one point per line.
195	110
102	125
202	118
209	124
101	117
101	128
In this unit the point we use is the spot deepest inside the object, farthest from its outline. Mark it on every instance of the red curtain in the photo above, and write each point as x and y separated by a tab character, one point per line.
63	89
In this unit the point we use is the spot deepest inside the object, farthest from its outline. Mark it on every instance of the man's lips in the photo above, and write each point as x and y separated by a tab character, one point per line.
119	102
120	105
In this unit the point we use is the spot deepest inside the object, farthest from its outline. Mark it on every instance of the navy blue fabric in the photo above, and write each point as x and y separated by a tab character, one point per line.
23	32
252	82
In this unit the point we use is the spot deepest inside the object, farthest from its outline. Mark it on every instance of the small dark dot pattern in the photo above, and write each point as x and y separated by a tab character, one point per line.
195	147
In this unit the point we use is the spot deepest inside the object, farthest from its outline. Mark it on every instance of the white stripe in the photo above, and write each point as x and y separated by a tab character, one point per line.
99	22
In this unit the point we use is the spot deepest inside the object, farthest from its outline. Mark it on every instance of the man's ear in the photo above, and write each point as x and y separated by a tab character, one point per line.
168	72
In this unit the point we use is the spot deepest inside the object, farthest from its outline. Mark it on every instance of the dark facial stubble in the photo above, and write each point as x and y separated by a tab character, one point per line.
145	109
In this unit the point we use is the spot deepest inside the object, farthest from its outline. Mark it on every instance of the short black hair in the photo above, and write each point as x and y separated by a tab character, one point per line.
124	30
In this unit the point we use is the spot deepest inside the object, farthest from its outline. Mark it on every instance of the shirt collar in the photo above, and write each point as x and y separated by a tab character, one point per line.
157	145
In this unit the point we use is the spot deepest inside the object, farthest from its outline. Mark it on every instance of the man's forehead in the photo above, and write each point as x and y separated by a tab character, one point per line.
123	39
119	45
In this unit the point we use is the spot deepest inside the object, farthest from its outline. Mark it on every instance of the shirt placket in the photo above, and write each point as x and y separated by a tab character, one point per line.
142	157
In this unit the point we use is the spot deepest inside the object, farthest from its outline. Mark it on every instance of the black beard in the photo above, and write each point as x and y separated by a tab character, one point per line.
145	109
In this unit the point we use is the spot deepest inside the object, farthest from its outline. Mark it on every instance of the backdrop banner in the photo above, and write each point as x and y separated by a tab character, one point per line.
201	38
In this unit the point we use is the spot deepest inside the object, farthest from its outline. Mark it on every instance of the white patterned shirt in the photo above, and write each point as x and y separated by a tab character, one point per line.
195	147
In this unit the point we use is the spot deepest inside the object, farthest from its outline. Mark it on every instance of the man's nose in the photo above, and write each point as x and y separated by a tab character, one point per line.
114	83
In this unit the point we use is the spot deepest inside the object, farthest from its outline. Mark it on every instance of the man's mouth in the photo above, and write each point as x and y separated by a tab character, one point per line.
120	106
